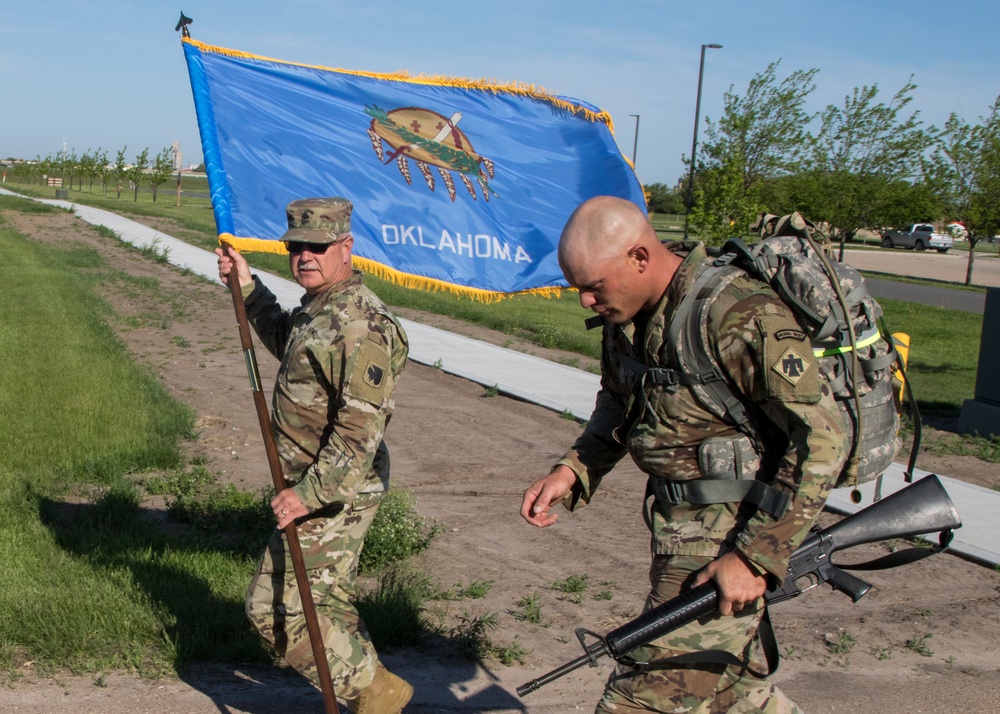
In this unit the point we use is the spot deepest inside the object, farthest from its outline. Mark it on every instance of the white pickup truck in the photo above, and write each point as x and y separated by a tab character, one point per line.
918	236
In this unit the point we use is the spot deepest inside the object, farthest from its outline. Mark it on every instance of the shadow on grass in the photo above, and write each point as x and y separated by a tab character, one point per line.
210	643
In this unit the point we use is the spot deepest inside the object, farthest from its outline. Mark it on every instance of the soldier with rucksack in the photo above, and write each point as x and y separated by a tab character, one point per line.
727	499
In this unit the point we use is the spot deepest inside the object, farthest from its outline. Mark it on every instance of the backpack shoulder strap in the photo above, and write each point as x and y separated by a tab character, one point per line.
688	337
695	366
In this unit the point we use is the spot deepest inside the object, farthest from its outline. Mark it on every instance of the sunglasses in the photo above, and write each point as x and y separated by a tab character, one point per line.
296	246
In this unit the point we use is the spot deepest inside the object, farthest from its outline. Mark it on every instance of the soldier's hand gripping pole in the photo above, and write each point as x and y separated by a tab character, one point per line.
278	477
922	507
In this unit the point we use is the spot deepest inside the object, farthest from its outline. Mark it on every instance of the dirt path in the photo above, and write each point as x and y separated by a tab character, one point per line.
467	457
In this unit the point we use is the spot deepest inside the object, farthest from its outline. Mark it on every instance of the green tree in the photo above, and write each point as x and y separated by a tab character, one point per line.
663	199
864	148
722	209
120	169
22	172
761	135
963	170
137	170
91	166
162	168
101	167
60	165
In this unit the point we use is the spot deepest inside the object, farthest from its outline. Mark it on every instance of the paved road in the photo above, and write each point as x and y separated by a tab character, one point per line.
948	267
965	300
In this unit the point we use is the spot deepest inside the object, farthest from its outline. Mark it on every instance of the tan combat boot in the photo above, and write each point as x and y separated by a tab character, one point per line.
388	694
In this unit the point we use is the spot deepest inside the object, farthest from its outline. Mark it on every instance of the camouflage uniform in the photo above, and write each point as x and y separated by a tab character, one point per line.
666	431
341	355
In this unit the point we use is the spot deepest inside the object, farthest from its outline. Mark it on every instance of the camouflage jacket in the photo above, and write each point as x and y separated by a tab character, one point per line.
664	429
341	353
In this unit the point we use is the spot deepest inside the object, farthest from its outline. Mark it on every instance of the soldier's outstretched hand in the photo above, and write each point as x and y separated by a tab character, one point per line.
545	493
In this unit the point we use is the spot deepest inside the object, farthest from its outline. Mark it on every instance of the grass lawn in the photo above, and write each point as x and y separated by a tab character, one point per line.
942	377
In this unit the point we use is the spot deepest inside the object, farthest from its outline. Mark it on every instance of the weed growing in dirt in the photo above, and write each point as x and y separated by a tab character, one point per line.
470	634
392	607
574	586
882	653
473	591
919	645
156	252
509	654
491	391
471	638
840	643
531	608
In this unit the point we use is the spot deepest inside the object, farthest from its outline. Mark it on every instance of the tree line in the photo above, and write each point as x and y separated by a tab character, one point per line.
867	162
94	166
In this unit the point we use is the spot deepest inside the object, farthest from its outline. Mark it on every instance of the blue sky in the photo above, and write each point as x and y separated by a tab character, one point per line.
110	73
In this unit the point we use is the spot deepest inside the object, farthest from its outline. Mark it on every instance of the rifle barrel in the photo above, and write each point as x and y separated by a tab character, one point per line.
529	687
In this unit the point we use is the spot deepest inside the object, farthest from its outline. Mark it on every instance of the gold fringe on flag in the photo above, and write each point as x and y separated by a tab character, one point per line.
406	280
396	277
486	85
253	245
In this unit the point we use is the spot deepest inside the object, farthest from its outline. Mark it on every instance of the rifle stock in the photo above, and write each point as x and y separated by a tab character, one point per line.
920	508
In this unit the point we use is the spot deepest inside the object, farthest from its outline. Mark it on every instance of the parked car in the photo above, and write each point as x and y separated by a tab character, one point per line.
918	236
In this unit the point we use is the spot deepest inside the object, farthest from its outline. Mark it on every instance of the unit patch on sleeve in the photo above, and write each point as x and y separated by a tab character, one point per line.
370	378
792	366
374	375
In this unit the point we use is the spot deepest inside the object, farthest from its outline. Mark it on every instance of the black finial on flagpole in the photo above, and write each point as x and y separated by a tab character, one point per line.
182	25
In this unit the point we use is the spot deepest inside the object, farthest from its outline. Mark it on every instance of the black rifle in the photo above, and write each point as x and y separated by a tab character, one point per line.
922	507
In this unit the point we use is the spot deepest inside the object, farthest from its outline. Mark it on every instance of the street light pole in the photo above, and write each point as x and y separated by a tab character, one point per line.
694	141
635	141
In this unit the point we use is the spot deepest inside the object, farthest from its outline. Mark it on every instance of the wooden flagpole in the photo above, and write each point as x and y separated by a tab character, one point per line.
278	476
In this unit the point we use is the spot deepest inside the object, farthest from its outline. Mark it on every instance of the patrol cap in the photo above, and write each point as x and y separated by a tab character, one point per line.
318	220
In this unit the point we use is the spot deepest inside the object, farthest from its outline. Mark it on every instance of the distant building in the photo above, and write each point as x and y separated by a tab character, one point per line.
178	157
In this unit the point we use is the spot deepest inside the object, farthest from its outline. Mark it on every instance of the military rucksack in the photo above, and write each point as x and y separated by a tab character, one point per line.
833	305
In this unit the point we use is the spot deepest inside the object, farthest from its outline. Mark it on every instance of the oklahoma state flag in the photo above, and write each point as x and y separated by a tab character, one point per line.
457	185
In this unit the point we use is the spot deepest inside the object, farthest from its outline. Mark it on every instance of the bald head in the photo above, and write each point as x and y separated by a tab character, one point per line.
601	228
610	252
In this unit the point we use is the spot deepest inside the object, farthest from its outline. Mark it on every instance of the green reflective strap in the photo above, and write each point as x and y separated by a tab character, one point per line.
866	339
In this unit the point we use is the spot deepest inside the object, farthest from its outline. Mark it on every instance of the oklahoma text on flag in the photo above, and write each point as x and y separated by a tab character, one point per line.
457	184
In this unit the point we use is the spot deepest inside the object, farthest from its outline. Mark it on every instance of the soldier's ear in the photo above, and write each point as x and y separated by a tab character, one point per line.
638	256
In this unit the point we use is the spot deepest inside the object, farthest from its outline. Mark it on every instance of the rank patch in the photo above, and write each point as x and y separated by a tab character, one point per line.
791	365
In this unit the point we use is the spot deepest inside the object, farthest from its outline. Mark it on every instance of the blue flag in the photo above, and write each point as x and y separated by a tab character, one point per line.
458	185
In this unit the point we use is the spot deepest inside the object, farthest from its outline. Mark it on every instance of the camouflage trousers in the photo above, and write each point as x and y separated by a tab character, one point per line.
331	545
698	688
